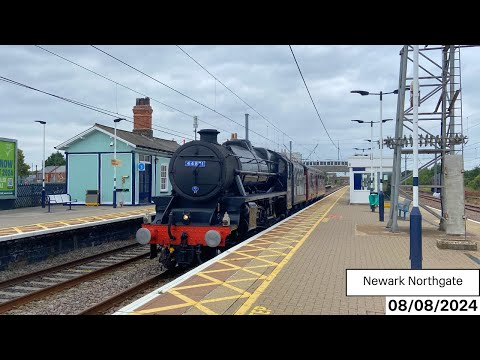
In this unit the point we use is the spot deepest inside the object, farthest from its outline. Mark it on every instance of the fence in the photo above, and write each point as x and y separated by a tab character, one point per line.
30	195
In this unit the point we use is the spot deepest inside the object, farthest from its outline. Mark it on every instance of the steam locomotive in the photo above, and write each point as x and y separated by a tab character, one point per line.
221	195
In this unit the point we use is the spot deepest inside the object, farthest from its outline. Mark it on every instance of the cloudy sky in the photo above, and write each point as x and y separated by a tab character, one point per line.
265	77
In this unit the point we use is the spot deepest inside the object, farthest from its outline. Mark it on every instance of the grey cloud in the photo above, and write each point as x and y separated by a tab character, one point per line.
265	76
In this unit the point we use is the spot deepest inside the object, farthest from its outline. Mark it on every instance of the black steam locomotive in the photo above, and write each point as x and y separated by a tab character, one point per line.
223	193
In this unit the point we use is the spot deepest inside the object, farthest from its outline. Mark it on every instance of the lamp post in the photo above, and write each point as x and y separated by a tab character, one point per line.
114	163
44	194
380	94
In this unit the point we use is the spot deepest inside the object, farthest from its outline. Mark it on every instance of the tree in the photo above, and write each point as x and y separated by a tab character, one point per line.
56	159
22	167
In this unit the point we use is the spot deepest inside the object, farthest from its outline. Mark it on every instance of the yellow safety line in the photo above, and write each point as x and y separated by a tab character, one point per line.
248	304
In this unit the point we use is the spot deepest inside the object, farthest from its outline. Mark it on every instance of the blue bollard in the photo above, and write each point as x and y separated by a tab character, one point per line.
381	215
415	239
44	196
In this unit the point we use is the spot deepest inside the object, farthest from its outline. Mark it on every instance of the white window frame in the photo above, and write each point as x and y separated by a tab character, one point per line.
163	185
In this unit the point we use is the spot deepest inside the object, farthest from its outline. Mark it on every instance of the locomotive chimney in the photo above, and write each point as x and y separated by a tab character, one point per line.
142	117
209	135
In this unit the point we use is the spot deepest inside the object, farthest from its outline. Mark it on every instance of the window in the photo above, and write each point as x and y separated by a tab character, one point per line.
361	181
145	158
163	178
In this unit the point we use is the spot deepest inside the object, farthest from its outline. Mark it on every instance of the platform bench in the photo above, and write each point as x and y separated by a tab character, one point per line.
64	199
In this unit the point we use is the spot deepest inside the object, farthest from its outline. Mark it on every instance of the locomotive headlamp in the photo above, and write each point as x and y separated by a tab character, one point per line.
213	238
143	236
186	218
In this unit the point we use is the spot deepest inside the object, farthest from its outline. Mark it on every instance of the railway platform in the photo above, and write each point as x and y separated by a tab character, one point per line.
298	266
28	222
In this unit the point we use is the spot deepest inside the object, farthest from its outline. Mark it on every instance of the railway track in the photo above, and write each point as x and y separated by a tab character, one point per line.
156	280
26	288
471	207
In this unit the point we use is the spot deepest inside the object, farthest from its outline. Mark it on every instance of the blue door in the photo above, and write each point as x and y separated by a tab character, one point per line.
145	185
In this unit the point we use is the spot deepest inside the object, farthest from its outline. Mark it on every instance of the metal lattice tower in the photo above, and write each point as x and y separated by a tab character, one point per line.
440	124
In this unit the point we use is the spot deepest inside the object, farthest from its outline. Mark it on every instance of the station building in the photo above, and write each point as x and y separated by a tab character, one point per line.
360	172
142	171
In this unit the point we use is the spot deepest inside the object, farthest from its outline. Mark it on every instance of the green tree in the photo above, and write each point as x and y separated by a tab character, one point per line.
470	175
22	167
56	159
475	183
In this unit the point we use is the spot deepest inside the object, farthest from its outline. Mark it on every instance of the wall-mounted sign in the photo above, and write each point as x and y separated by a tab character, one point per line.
116	162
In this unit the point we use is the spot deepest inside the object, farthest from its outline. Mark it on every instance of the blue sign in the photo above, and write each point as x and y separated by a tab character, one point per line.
195	189
141	167
194	163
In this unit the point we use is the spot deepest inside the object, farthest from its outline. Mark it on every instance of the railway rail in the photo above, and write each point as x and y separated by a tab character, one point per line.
29	287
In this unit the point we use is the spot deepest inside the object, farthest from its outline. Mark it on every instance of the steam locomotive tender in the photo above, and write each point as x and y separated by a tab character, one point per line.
221	194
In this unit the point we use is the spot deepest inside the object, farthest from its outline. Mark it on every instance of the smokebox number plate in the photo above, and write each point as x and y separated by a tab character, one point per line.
194	163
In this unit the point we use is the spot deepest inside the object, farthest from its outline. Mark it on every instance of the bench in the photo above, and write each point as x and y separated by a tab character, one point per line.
63	199
405	207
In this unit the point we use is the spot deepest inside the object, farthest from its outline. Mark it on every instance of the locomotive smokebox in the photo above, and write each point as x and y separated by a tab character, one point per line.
209	135
200	170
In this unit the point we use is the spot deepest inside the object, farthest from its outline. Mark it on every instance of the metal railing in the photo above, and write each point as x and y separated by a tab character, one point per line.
30	195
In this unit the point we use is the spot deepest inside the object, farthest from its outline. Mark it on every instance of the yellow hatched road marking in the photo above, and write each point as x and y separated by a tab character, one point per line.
223	283
206	310
251	300
182	297
254	257
154	310
246	269
187	287
232	297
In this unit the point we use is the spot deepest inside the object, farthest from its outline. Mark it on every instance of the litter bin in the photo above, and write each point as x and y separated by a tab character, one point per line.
91	198
373	200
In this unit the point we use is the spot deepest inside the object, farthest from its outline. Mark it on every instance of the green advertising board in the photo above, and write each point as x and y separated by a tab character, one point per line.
8	168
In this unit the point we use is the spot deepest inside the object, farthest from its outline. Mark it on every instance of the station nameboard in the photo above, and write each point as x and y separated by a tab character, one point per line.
8	168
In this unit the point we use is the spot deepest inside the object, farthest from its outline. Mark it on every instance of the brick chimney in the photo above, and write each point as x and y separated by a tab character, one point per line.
142	117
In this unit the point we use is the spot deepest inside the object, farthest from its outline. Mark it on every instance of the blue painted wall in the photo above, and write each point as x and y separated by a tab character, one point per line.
125	169
82	175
